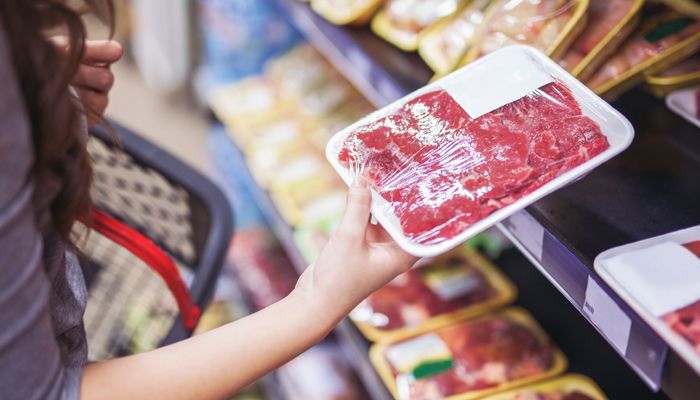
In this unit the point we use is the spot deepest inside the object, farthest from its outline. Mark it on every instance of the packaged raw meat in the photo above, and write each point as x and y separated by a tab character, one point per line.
548	25
320	373
567	387
660	41
469	359
609	22
660	279
262	267
687	7
686	103
459	284
346	12
446	41
681	75
400	21
453	158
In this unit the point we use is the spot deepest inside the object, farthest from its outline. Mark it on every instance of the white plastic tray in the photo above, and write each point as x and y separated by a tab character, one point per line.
614	126
678	343
682	102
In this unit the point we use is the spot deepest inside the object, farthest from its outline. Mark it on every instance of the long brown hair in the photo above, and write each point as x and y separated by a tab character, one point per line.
45	75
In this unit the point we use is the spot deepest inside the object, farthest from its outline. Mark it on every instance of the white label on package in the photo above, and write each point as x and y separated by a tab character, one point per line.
484	87
663	277
607	316
407	355
528	231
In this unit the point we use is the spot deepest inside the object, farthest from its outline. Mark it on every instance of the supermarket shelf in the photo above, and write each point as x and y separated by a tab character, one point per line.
379	70
649	190
354	345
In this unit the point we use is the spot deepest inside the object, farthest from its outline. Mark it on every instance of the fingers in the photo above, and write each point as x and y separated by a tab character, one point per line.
92	100
353	226
102	52
97	52
96	78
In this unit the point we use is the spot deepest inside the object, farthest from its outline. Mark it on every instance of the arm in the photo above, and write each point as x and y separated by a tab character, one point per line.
358	260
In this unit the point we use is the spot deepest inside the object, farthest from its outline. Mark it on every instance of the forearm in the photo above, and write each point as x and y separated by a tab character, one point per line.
220	362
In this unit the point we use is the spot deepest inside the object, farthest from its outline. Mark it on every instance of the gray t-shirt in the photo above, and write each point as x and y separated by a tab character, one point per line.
42	292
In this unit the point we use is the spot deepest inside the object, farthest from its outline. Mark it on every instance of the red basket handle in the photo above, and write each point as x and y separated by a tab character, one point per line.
143	248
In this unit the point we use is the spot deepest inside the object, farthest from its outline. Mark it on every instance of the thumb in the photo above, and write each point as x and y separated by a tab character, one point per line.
353	226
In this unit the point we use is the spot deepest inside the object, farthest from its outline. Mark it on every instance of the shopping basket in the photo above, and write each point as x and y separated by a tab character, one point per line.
159	236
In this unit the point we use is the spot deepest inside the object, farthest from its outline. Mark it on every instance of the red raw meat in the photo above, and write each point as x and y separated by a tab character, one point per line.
486	353
603	17
441	170
686	321
529	395
409	301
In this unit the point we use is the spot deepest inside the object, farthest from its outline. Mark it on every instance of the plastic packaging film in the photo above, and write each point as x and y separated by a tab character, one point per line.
400	21
469	359
444	42
453	158
567	387
659	42
609	22
548	25
459	284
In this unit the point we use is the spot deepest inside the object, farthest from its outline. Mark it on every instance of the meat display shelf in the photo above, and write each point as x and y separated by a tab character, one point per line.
652	188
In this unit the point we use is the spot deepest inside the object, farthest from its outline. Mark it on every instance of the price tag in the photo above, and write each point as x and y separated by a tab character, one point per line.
605	314
528	231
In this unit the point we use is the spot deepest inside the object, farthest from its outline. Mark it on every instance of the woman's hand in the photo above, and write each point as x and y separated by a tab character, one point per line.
359	259
94	78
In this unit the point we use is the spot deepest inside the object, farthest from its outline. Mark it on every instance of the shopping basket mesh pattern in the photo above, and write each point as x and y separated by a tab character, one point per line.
143	199
130	308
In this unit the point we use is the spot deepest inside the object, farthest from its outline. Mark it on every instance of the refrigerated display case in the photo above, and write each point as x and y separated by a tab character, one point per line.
650	189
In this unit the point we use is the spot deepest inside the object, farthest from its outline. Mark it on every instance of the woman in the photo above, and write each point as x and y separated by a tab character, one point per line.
48	86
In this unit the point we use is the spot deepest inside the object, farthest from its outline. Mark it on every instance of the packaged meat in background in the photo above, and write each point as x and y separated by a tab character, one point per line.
682	75
686	103
609	22
443	44
400	21
660	279
469	359
687	7
548	25
320	373
660	41
567	387
262	267
346	12
455	157
459	284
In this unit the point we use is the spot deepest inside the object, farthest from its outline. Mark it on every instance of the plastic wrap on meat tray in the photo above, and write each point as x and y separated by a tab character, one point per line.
659	40
400	21
567	387
682	75
459	284
440	170
548	25
470	359
444	42
609	22
344	12
686	321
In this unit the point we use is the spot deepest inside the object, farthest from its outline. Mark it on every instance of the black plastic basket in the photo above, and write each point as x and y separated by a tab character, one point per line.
151	198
